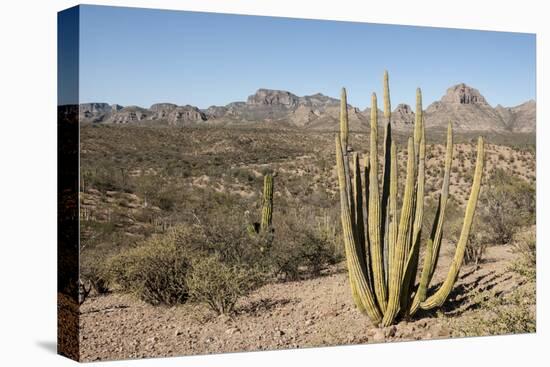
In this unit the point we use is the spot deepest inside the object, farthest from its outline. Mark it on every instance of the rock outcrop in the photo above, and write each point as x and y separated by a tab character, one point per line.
402	116
97	112
186	114
270	97
466	108
129	114
463	94
521	118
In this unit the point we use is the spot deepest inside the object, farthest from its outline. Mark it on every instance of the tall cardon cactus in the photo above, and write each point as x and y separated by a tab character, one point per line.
382	245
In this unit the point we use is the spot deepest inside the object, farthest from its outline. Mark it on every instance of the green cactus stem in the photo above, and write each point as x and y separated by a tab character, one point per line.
267	207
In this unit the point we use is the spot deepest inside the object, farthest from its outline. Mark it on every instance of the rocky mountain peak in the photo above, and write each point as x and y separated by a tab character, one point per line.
463	94
273	97
403	114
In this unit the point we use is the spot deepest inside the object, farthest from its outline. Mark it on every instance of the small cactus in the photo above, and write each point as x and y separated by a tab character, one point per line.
265	224
267	208
382	250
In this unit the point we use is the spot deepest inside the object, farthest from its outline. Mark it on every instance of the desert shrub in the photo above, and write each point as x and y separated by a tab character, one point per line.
510	313
476	248
166	201
155	271
223	231
301	250
94	274
506	204
219	284
524	244
480	235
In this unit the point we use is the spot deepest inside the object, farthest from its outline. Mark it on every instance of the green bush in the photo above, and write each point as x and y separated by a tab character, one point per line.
155	271
220	285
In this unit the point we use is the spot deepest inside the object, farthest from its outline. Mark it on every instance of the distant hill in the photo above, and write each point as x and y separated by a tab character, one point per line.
461	104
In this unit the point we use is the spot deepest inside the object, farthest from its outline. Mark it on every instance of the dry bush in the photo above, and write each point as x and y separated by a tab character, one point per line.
524	244
220	285
476	248
510	313
506	204
156	270
95	275
302	250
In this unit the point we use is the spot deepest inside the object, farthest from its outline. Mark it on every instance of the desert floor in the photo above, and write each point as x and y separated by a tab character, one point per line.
309	313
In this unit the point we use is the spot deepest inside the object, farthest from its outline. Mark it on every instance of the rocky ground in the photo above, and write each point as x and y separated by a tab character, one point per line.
309	313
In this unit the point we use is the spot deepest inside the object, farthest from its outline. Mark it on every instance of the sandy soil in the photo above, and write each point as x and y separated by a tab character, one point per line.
309	313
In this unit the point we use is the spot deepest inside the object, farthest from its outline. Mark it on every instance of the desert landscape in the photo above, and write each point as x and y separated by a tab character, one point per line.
173	261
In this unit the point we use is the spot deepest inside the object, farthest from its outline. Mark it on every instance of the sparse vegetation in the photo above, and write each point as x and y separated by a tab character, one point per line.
207	179
504	314
508	203
156	270
524	244
220	285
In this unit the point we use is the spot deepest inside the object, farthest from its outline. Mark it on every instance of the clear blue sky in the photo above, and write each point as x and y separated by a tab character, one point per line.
142	56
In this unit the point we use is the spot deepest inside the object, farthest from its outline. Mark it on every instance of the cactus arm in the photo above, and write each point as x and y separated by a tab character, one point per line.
403	236
344	133
362	294
374	212
387	102
417	134
434	243
267	211
422	289
386	169
392	213
384	203
443	292
368	260
438	235
358	205
344	128
412	260
419	202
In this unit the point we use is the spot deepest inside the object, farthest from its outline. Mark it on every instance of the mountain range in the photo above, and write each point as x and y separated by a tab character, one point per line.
461	104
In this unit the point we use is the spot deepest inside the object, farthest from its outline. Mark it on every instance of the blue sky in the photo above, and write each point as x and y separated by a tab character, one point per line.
142	56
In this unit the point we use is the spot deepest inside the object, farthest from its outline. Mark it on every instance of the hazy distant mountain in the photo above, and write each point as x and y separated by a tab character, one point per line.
519	118
461	104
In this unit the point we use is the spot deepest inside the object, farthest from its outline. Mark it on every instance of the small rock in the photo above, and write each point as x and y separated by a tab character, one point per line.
422	323
443	332
378	336
309	322
232	331
390	331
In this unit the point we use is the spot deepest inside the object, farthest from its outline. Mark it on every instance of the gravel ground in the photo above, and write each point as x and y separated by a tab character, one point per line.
308	313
